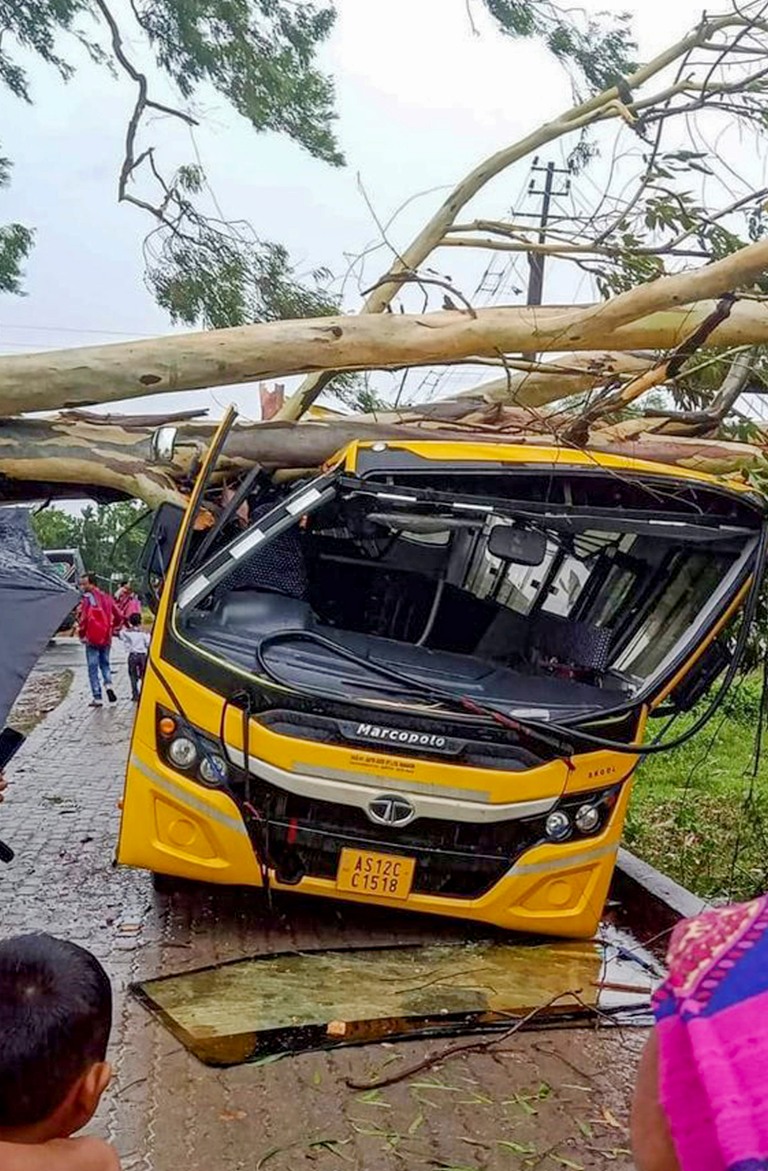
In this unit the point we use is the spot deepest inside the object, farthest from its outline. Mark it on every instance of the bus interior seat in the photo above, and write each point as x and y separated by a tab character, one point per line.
505	637
576	643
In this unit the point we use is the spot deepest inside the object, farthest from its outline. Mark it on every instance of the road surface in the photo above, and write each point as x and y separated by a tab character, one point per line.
549	1100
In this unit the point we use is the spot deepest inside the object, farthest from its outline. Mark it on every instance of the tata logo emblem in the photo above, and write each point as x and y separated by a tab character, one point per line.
391	810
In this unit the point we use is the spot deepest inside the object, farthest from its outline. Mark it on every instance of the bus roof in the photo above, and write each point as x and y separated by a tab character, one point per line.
536	455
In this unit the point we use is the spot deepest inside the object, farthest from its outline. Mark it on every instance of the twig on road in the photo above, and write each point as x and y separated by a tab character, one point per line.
456	1050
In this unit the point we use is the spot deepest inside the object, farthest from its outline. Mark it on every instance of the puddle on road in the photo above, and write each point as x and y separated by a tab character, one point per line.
293	1002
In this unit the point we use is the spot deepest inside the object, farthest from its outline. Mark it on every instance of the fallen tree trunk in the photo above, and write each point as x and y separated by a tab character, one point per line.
115	453
116	458
58	379
103	456
550	381
647	316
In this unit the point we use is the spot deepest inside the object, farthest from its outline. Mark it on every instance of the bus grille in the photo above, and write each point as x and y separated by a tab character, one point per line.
302	837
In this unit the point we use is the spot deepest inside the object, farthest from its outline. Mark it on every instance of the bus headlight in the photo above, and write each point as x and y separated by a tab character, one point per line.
193	751
558	826
182	752
587	818
213	769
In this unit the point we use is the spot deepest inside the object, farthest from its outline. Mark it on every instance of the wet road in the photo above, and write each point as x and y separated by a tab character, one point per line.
554	1100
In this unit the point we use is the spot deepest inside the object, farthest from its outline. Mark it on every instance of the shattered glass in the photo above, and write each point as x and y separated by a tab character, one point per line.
293	1002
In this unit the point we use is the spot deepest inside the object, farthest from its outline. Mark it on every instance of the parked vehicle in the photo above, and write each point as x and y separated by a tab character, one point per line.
424	677
68	563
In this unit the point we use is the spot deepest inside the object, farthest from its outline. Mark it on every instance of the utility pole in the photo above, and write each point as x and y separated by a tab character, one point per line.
536	259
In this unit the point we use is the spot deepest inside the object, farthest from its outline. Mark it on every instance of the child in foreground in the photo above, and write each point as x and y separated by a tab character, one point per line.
55	1020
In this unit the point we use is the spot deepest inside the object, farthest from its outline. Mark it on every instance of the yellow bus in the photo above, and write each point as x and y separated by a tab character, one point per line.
423	677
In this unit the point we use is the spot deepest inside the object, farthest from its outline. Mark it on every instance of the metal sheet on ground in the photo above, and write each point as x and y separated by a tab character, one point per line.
292	1002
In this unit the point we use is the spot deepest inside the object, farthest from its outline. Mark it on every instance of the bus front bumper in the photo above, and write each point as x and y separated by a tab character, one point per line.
174	826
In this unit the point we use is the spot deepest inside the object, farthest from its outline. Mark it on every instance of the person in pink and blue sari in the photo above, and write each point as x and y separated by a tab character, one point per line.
701	1101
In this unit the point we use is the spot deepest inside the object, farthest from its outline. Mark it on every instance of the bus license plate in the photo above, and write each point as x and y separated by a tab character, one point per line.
362	872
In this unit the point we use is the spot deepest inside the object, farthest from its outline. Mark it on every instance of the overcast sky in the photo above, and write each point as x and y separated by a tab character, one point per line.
420	99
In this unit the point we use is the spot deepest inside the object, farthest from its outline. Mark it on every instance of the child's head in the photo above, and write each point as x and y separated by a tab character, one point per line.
55	1020
134	620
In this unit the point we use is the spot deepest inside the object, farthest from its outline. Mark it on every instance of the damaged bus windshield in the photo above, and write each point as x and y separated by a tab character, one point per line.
556	607
423	678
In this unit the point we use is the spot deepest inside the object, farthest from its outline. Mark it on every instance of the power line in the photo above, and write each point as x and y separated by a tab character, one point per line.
72	329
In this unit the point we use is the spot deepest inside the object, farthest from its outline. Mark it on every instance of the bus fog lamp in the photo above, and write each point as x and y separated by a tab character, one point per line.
182	752
558	826
587	818
213	769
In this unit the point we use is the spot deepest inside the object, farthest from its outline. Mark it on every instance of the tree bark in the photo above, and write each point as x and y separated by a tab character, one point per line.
116	459
58	379
103	456
572	374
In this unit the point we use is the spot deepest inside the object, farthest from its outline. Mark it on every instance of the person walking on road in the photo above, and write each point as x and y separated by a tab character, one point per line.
128	603
136	642
98	619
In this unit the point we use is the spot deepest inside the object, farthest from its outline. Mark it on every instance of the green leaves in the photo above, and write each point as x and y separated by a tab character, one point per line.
600	48
35	25
258	54
104	534
516	17
221	275
15	244
625	271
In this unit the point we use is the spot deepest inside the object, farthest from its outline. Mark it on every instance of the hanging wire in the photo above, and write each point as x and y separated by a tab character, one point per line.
750	812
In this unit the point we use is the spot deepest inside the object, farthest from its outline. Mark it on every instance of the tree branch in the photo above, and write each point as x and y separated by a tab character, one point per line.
606	105
564	251
669	368
80	377
143	102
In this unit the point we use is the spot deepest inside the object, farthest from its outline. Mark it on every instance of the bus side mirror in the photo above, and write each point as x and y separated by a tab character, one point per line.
521	546
162	444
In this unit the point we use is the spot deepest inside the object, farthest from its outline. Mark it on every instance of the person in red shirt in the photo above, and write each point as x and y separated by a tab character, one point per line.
97	620
128	603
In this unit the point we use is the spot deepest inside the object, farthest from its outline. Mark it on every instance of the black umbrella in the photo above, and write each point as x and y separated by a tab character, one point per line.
33	603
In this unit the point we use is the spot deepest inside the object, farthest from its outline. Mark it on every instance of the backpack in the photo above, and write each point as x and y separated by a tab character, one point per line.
97	623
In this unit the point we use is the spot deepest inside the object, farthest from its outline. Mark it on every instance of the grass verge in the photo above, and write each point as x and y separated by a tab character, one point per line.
698	813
